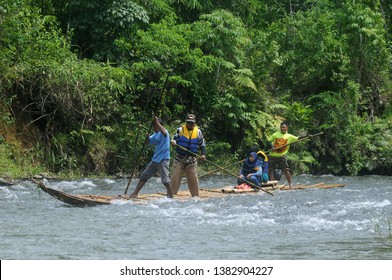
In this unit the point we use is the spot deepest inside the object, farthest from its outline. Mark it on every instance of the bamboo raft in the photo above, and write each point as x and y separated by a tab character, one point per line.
82	200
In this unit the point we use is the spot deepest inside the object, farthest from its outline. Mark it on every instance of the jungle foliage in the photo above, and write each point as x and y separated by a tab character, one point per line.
77	78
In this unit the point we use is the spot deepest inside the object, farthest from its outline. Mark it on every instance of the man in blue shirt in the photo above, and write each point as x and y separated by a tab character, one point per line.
160	159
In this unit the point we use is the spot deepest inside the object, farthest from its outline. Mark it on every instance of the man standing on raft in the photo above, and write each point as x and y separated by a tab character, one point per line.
280	141
189	141
160	159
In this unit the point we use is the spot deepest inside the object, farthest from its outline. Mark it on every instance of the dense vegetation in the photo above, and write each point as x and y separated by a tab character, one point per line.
78	77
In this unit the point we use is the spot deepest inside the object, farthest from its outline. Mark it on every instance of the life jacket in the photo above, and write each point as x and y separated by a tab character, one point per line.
189	140
264	157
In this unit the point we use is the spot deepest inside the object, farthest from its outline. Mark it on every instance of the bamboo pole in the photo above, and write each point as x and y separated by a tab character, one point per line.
221	168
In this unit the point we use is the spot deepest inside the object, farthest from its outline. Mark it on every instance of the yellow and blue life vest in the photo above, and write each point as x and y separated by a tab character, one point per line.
188	139
265	161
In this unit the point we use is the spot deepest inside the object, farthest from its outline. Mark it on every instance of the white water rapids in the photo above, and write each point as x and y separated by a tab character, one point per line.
353	222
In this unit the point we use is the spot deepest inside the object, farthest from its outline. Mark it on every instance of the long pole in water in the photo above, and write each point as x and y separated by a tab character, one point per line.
146	140
134	167
299	140
221	168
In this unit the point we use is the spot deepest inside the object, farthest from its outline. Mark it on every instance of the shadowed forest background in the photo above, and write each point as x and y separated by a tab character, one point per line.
77	78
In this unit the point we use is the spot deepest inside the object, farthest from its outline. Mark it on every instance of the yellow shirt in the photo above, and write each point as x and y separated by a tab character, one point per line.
279	139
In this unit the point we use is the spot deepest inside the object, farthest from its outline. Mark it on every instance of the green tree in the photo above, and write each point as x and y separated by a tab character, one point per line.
167	48
94	25
240	66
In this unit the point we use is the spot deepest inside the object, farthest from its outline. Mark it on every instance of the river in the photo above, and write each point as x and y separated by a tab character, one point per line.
350	223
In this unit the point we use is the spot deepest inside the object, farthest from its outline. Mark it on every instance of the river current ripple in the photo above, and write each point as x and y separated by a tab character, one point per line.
350	223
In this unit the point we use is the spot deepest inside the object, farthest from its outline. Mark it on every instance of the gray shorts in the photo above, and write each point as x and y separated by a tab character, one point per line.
154	167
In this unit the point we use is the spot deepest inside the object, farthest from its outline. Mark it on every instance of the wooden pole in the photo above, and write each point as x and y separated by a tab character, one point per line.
221	168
